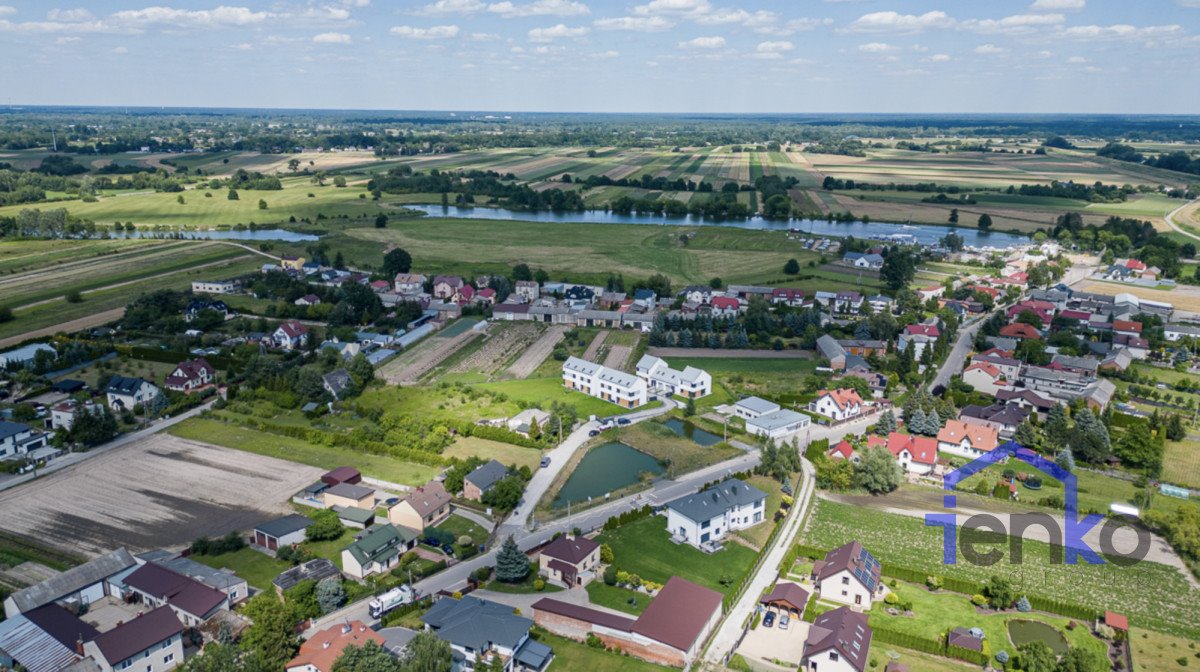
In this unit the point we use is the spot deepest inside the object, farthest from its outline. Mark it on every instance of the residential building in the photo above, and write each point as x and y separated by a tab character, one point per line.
337	383
1002	417
192	601
377	550
479	481
915	454
1098	394
876	381
308	300
126	394
477	628
787	296
848	575
291	263
837	405
1009	367
670	631
919	337
985	378
153	642
837	641
62	416
527	290
1020	331
216	286
777	425
425	506
319	652
618	387
1178	332
82	584
967	440
197	306
1027	399
754	407
1065	385
861	260
18	438
571	560
445	287
725	306
349	494
224	580
702	519
315	570
691	382
191	375
524	422
291	335
881	305
408	284
281	532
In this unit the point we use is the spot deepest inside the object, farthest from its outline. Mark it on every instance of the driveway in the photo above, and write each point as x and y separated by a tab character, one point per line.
770	644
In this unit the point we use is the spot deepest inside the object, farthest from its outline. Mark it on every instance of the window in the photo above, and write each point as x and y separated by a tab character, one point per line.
168	658
845	580
833	656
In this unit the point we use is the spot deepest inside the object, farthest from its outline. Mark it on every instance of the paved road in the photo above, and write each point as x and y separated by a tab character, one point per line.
958	355
123	440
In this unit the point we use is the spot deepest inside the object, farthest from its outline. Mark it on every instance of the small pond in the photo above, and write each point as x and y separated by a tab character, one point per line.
607	467
1023	632
690	431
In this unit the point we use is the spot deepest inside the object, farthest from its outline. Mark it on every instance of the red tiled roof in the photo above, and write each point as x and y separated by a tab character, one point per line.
922	330
844	448
1020	330
1134	264
982	437
725	303
986	368
327	645
1127	325
843	397
1114	620
922	448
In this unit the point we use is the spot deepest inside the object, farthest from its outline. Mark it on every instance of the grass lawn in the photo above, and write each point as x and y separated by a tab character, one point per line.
286	448
1152	595
155	372
739	377
258	569
915	660
682	454
757	535
543	391
1181	464
571	656
462	527
644	548
617	598
504	453
525	586
1156	651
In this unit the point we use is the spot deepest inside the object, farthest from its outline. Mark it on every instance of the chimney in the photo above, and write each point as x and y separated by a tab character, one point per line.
79	646
325	645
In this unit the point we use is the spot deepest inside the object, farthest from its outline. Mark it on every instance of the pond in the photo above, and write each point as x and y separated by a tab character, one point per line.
1023	632
607	467
229	234
927	234
690	431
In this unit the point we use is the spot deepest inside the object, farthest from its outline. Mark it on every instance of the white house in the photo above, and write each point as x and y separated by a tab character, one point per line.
215	286
838	641
919	336
753	407
152	642
290	335
691	382
967	440
837	405
914	454
63	415
1177	332
408	284
697	293
705	517
527	290
848	575
127	393
778	424
985	378
17	439
377	550
191	375
611	385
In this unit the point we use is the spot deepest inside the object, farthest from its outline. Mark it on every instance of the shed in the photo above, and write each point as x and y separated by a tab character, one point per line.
342	475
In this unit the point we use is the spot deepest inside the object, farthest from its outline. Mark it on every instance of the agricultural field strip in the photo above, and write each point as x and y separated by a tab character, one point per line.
435	351
88	266
66	254
535	354
501	343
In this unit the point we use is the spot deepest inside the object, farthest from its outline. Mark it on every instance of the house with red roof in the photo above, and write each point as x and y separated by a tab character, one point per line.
914	454
985	377
486	296
290	335
919	337
1043	309
837	405
930	292
191	375
990	291
967	440
464	294
725	306
1020	331
788	296
319	652
1127	328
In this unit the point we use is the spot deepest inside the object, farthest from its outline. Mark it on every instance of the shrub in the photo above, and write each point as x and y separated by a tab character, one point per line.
979	600
1002	657
482	574
933	582
594	641
606	554
610	575
1023	605
539	585
891	598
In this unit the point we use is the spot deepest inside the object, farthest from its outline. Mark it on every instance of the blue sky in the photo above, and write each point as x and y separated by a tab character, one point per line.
1131	56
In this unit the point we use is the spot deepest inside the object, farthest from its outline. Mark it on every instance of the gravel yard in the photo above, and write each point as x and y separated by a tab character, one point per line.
162	491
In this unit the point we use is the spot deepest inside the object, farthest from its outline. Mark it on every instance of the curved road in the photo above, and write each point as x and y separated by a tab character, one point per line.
1170	218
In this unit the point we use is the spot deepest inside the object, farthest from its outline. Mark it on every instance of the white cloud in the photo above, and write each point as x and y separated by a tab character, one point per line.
448	7
120	50
938	58
713	42
792	26
431	33
1045	53
482	37
68	40
5	10
674	7
640	24
137	21
221	16
876	48
357	3
1013	25
1077	60
605	54
539	8
989	50
331	38
64	14
244	46
556	32
1188	3
1057	5
774	47
1120	32
894	22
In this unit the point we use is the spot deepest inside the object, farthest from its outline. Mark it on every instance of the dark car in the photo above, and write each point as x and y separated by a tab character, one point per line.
594	432
622	421
769	619
545	462
392	500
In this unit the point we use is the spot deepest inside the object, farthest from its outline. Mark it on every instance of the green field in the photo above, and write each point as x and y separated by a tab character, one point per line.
644	548
570	656
682	454
614	597
504	453
543	391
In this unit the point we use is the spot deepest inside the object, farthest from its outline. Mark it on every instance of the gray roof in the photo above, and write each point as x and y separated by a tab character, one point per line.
73	580
320	568
221	579
476	624
716	500
829	347
338	381
124	385
486	475
758	405
281	527
8	429
781	418
33	647
350	491
533	654
581	366
1085	363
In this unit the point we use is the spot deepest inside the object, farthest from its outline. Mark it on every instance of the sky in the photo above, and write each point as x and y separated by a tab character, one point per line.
734	56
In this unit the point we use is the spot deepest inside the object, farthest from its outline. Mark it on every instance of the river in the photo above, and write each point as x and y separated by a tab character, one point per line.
925	234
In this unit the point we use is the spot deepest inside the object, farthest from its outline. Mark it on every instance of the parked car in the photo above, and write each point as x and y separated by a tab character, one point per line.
783	622
545	462
769	619
594	432
623	421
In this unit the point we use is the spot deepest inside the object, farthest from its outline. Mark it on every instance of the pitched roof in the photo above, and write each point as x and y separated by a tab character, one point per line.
179	591
853	558
986	368
35	649
73	580
350	491
317	569
786	591
66	628
124	385
1127	325
679	613
427	498
326	646
380	543
843	630
982	438
139	634
706	504
1020	330
292	329
192	369
281	527
486	475
572	550
587	614
922	448
829	347
963	638
926	330
474	623
843	397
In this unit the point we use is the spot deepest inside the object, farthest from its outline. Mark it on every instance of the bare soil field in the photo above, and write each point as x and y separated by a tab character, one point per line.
594	346
503	342
93	320
618	356
1183	297
537	353
408	371
161	491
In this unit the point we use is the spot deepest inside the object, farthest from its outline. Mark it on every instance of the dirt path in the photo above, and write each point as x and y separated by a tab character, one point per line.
618	356
409	374
59	272
537	353
594	346
82	323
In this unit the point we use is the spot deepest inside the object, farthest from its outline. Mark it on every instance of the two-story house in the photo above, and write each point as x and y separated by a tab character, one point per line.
706	517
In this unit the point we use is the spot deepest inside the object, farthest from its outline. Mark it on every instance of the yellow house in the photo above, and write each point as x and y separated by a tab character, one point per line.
424	507
345	494
292	263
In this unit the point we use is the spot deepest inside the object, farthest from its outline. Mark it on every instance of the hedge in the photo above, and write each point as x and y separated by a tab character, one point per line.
222	362
500	434
325	438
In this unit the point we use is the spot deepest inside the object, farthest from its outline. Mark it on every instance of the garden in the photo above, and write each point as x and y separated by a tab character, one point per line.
644	548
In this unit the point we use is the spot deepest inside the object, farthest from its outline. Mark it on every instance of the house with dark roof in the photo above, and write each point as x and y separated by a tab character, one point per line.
43	639
477	628
314	570
18	438
83	584
838	641
290	335
669	632
786	597
225	580
349	494
425	506
338	383
125	394
848	575
1004	418
281	532
191	375
570	559
192	601
965	639
479	481
377	550
152	641
704	518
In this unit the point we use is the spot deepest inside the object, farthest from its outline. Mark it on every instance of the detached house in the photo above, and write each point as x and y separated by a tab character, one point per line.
477	628
152	642
125	393
838	641
191	375
425	506
985	378
446	286
919	337
914	454
837	405
408	284
570	559
479	481
290	335
848	575
1020	331
17	439
319	653
704	518
967	440
193	602
377	550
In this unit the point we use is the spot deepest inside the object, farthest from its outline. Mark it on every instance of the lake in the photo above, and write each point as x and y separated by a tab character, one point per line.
690	431
607	467
1023	632
229	234
922	233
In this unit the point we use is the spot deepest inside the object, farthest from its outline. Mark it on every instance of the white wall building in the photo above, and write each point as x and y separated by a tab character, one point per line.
618	387
837	405
705	517
691	382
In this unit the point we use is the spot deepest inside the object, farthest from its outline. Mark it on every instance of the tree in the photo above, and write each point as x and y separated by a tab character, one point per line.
1140	449
1032	351
886	424
326	526
1036	657
1089	438
1027	435
369	657
505	493
690	409
233	195
898	269
361	370
216	657
271	640
1057	427
381	221
953	216
1000	592
396	261
953	242
427	653
878	471
1175	428
985	222
1079	659
262	205
521	272
606	554
330	594
511	564
792	267
339	181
